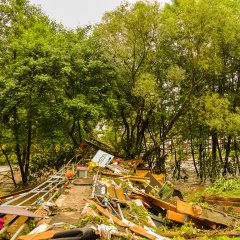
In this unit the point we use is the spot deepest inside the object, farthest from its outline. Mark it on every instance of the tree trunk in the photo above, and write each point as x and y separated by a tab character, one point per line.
200	162
79	131
127	142
71	134
213	173
171	124
28	153
17	144
10	165
237	157
219	152
193	156
228	148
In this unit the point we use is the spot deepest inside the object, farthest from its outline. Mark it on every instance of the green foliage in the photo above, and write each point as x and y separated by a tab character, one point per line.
151	72
93	220
188	229
138	214
146	86
223	187
217	238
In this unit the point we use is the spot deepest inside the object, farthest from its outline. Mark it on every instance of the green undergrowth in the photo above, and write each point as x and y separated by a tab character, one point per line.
218	238
189	231
224	188
137	214
93	220
220	188
207	238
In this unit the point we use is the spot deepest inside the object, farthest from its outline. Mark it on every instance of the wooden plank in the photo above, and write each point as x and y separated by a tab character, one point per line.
186	208
124	176
8	219
155	201
20	211
111	190
39	236
106	213
160	177
183	218
208	214
141	231
175	216
133	227
223	203
142	172
120	194
22	220
16	224
223	199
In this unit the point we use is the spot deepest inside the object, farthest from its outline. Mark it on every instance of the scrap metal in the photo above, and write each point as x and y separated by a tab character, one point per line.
43	192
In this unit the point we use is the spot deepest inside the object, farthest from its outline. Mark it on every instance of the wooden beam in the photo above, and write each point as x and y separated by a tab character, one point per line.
175	216
133	227
155	201
45	235
208	214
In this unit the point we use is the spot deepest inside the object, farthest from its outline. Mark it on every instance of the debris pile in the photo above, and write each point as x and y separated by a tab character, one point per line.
127	204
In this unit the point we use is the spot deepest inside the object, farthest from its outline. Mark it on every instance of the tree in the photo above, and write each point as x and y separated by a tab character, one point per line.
128	35
28	81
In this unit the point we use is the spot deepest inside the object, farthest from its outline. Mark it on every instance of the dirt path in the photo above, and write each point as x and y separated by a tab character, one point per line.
71	202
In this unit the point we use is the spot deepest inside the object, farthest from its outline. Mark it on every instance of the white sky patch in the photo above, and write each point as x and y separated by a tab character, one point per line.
74	13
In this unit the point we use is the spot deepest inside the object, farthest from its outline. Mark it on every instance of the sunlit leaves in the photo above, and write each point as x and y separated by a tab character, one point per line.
146	87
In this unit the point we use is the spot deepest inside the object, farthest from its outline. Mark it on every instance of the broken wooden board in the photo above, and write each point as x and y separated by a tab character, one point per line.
20	211
183	218
39	236
141	172
155	201
106	213
111	191
208	214
153	183
120	194
124	176
143	232
16	224
222	201
133	227
176	217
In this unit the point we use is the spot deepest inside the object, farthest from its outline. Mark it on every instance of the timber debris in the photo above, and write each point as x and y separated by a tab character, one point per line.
127	204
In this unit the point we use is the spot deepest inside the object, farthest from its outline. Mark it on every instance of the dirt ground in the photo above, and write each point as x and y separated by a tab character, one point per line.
71	202
191	184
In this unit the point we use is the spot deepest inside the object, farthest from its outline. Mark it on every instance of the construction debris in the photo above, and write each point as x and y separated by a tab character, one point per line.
131	203
20	211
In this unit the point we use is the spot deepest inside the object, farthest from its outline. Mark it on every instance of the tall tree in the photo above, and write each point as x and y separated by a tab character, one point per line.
128	35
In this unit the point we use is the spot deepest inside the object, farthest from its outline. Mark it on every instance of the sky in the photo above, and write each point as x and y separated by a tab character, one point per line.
74	13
